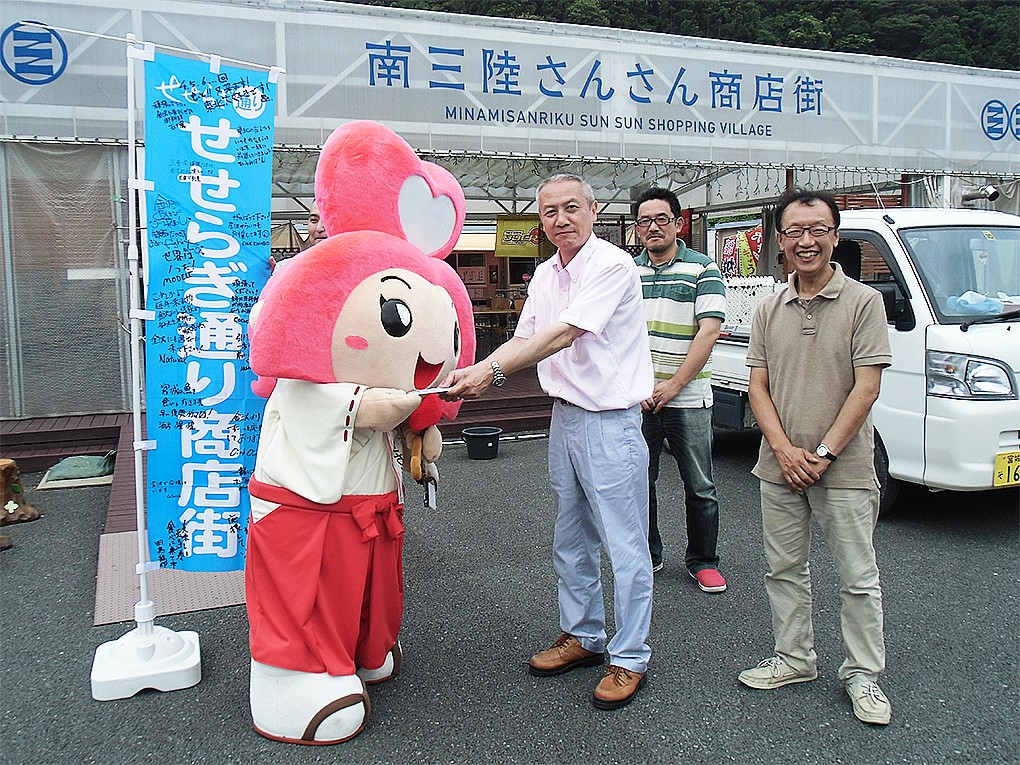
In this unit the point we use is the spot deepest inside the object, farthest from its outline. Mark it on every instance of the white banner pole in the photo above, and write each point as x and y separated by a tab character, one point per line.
144	623
148	656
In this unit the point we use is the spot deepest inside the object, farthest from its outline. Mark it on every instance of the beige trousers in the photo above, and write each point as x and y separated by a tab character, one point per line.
847	519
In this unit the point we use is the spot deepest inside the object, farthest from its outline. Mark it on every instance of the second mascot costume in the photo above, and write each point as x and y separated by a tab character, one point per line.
340	335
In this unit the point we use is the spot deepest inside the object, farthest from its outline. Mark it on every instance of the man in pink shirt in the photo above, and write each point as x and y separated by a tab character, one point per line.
583	324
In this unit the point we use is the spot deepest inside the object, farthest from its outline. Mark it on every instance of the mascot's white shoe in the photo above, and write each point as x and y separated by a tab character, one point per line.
307	707
389	668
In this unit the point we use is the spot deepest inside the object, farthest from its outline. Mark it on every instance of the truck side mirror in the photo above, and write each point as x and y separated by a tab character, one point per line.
905	318
888	292
897	309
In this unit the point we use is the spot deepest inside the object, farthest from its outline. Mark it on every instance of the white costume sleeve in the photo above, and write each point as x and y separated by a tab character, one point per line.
307	436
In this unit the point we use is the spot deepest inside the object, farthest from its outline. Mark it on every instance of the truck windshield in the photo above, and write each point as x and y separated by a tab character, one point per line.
968	272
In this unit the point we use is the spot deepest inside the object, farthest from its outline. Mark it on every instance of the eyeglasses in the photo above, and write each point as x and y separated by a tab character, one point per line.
659	220
796	232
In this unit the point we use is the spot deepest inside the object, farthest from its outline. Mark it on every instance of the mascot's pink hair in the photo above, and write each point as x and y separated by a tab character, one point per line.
358	184
293	334
358	180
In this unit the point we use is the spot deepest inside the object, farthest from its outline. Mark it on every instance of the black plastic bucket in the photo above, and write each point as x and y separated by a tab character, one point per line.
482	442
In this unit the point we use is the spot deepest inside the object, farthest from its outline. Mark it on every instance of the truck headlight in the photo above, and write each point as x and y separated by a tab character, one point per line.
956	375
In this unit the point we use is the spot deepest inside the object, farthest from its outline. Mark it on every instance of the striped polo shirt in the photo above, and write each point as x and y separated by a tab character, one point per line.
677	295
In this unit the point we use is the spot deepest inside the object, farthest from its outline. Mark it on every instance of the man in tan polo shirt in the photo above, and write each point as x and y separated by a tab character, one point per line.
816	354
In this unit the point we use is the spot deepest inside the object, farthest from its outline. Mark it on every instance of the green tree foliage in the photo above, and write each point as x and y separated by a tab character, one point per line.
942	41
802	30
851	32
993	36
971	32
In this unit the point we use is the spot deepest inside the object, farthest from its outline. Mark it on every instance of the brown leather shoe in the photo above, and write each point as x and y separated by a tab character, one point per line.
565	654
618	688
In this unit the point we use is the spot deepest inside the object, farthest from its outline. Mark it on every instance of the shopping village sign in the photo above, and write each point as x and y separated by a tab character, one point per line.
481	86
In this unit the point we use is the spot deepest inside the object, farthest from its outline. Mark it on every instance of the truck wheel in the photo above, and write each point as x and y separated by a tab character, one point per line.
889	488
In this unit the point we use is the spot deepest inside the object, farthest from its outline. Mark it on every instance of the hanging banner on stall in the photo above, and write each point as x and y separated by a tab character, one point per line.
738	255
521	236
748	247
749	244
209	146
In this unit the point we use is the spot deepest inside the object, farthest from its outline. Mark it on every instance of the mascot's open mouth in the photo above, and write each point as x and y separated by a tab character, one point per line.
425	374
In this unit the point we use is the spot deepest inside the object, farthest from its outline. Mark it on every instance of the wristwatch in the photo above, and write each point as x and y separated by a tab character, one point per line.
824	451
498	378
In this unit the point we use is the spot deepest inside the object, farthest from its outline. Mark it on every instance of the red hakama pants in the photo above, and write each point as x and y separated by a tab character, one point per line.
324	583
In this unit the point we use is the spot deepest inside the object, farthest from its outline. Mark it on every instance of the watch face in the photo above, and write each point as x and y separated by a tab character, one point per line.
824	451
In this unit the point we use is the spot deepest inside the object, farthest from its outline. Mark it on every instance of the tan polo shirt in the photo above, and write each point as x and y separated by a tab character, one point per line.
810	348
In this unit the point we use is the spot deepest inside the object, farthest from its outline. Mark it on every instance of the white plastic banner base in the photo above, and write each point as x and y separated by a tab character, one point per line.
163	659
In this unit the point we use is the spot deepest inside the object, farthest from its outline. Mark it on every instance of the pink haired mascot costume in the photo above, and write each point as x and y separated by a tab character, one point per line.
341	334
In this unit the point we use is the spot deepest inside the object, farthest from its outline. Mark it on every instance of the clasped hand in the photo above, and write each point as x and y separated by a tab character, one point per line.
801	468
664	392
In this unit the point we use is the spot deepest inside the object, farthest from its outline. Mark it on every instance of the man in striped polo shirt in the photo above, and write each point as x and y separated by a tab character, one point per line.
685	304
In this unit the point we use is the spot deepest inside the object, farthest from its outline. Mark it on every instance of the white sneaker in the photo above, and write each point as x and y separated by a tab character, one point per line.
774	673
870	704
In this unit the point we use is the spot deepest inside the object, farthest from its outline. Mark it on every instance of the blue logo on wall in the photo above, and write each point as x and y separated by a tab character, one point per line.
32	54
995	120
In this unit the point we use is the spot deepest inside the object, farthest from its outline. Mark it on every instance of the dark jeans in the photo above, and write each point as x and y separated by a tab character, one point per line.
689	435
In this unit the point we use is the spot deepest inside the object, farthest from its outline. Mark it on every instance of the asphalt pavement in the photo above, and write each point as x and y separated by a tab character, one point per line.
481	598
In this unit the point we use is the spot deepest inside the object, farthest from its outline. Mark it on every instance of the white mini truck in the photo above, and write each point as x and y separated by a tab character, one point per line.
948	416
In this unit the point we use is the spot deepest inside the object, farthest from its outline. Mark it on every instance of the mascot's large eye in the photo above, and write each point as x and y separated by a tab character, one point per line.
396	316
456	339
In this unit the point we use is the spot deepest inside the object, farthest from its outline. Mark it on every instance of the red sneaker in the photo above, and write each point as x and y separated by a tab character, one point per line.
710	580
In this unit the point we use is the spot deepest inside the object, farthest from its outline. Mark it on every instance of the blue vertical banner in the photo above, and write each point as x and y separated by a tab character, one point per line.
208	156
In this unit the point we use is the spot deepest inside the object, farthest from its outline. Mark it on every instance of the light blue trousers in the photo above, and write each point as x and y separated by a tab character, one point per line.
598	469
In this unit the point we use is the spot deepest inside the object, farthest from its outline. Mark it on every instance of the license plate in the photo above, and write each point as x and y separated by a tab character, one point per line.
1007	469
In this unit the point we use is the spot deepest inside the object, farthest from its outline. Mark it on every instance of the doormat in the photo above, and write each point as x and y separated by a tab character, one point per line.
172	592
80	470
73	483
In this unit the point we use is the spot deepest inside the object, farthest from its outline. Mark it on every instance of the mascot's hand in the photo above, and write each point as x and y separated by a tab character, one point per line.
385	408
431	472
422	470
432	444
420	450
